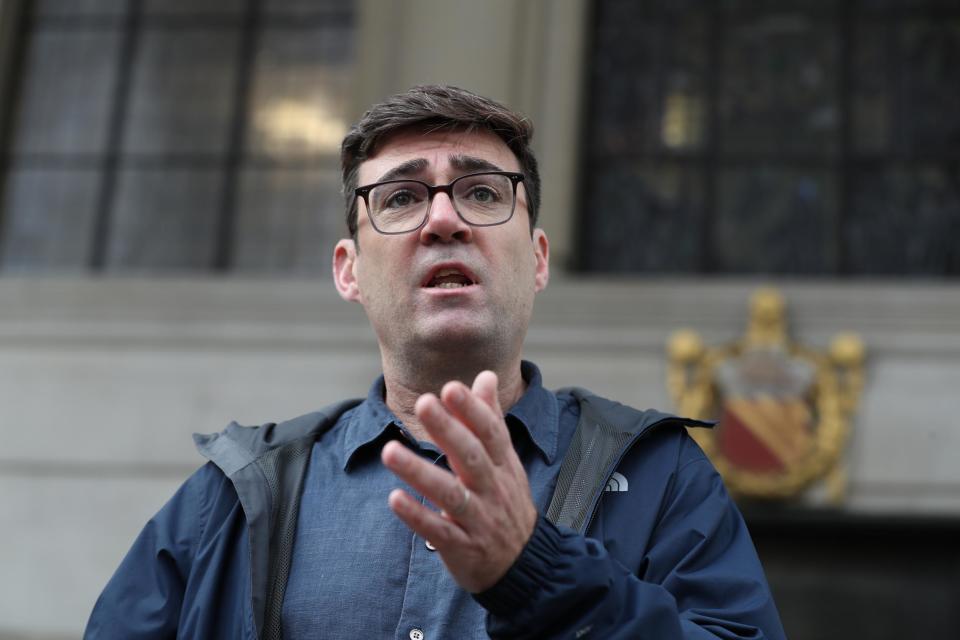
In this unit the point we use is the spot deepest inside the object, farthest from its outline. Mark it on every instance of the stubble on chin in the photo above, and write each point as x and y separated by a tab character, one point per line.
430	357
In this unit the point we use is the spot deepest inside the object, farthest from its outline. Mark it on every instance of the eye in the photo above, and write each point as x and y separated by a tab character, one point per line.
484	194
399	199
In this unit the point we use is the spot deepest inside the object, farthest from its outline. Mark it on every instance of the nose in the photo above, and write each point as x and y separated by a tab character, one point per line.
443	223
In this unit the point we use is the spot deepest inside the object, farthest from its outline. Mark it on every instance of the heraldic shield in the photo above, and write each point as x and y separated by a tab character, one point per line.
783	409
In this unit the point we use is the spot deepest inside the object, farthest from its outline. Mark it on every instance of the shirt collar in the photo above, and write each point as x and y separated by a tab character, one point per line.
370	420
536	413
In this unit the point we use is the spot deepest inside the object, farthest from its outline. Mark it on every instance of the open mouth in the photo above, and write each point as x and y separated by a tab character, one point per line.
449	278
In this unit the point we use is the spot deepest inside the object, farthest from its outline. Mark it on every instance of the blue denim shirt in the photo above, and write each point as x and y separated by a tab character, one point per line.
357	570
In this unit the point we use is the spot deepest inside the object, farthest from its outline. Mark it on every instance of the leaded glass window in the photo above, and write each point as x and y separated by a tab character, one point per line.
809	137
159	135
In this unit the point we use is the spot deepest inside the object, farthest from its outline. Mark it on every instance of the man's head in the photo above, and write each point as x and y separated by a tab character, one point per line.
437	108
457	290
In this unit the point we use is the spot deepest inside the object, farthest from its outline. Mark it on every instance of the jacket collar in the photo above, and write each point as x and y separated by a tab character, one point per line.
237	446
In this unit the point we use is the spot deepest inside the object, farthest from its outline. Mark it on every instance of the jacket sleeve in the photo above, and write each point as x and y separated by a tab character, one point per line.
143	598
699	578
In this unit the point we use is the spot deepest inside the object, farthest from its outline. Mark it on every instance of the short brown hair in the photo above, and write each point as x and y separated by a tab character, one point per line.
437	108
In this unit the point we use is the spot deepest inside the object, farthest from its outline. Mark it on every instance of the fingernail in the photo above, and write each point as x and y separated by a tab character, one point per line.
432	409
395	457
456	394
396	501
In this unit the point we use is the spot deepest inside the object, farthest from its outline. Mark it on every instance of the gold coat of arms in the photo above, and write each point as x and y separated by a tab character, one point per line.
783	409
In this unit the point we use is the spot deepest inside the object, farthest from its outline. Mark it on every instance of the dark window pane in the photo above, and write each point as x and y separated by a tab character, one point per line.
886	5
906	92
928	87
302	87
775	221
778	89
289	220
194	7
65	101
72	8
164	219
753	7
644	218
182	91
649	82
308	8
905	220
873	60
49	218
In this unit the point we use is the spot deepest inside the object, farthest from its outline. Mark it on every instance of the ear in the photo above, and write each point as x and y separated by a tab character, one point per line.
541	253
345	270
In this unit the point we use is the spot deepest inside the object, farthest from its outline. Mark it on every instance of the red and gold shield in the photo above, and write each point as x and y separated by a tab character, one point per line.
765	434
783	409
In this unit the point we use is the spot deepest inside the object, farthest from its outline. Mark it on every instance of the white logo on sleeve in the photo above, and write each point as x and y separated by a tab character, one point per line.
617	482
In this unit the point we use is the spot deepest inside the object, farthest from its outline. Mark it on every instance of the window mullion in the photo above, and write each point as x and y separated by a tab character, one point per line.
243	91
129	47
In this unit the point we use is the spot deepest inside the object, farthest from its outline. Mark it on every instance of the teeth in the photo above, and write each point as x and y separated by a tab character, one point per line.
448	278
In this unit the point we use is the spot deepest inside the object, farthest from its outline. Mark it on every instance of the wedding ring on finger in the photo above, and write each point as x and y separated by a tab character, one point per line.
459	511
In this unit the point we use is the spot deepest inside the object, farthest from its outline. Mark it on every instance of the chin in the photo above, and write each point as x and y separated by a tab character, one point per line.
449	337
457	335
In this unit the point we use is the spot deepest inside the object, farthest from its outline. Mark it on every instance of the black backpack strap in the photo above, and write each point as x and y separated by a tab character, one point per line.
273	484
284	470
603	432
586	465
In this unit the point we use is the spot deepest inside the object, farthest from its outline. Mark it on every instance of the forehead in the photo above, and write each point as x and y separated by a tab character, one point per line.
437	148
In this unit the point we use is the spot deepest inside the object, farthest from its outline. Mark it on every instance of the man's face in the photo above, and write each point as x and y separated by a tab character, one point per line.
446	286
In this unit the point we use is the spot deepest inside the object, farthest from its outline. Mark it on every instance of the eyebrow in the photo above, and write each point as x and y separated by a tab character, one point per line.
416	166
470	163
408	169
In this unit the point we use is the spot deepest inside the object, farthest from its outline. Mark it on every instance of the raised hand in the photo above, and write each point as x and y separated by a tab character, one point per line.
488	514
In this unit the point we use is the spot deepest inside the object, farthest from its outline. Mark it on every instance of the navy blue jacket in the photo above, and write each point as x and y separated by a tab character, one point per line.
665	553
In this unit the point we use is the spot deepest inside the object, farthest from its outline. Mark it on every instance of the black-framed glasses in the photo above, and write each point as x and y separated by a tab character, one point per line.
480	199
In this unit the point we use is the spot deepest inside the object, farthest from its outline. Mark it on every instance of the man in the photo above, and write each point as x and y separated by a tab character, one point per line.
420	512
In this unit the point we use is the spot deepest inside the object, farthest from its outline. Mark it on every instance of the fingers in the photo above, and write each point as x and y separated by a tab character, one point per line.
438	485
488	514
479	410
486	386
429	525
466	453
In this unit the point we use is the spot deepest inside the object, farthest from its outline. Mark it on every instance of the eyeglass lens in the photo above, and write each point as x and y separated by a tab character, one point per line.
482	199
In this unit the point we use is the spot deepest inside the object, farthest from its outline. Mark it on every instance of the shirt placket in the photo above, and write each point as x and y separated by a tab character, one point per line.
426	580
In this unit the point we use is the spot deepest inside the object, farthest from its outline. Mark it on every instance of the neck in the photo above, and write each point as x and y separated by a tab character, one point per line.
405	383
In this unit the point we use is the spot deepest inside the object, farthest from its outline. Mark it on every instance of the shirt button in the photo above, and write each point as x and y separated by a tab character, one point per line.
429	545
416	634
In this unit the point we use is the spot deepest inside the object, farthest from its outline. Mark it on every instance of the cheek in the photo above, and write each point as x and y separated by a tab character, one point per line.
527	257
380	278
523	268
367	276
